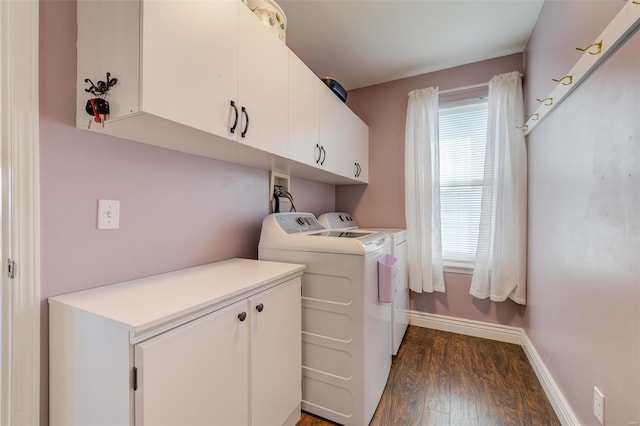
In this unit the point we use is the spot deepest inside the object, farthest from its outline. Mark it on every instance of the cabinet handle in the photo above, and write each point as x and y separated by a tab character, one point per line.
317	150
235	121
260	307
356	173
359	170
242	316
324	155
246	126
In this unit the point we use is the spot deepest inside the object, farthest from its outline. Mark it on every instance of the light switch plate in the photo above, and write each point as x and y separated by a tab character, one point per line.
108	214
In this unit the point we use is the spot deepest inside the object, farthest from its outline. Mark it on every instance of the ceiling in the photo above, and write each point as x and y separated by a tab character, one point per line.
365	42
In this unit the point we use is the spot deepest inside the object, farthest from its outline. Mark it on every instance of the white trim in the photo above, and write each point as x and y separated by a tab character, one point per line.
558	401
19	82
508	334
499	332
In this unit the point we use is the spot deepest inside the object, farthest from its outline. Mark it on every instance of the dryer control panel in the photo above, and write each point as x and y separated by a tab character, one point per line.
296	223
338	220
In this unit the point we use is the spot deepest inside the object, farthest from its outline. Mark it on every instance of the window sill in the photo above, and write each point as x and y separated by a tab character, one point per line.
458	267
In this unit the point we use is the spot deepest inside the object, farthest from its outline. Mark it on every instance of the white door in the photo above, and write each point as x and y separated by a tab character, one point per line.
196	374
19	136
276	354
190	62
263	86
304	113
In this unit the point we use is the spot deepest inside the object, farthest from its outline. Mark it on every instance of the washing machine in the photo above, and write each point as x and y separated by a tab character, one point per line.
400	305
346	331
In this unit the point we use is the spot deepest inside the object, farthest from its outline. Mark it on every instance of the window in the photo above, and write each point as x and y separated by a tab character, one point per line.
463	136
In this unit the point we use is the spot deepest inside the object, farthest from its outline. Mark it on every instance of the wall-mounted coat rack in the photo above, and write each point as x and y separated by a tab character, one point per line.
621	27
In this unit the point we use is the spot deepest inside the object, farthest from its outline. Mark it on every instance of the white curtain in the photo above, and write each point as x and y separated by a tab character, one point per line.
422	192
500	267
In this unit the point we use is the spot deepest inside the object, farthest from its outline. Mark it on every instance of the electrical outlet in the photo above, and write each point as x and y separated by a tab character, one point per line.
598	405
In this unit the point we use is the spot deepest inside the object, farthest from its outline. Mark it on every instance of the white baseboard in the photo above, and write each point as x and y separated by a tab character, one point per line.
556	398
499	332
508	334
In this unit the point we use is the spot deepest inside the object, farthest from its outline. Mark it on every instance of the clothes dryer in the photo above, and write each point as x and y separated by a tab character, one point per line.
346	331
400	305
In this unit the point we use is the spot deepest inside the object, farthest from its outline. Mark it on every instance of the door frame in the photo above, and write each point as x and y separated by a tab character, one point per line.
19	133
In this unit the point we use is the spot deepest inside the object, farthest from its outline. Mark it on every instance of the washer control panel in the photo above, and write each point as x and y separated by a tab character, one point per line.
295	223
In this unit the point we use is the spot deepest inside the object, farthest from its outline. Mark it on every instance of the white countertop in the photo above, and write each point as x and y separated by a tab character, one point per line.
145	302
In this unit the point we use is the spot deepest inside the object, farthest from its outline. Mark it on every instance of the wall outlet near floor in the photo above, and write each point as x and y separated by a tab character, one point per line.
108	214
598	405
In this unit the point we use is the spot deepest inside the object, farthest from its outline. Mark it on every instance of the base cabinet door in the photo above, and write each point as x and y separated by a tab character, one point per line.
276	354
196	374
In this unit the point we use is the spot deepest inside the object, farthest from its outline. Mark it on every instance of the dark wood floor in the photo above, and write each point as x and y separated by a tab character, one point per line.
441	378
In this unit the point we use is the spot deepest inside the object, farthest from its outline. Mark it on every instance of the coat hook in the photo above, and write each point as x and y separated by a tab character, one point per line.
524	127
597	45
569	79
546	101
532	117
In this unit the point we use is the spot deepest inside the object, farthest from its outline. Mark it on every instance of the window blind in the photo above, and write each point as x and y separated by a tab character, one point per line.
463	136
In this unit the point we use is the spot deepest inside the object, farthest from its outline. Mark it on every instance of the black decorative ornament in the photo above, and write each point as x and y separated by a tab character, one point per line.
98	107
101	88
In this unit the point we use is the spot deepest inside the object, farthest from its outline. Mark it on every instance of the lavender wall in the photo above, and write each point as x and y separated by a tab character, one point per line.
583	313
177	210
381	204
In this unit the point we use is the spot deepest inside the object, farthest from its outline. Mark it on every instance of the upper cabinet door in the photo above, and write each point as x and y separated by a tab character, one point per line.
304	113
356	159
190	62
263	83
196	374
332	129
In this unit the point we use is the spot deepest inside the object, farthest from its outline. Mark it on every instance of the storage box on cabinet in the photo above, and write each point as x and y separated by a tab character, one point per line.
205	350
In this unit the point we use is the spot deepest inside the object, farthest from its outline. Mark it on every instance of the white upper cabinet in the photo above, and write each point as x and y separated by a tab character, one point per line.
264	77
190	62
210	79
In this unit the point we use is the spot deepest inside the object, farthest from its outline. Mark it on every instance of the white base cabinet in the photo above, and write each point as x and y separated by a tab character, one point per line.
217	345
